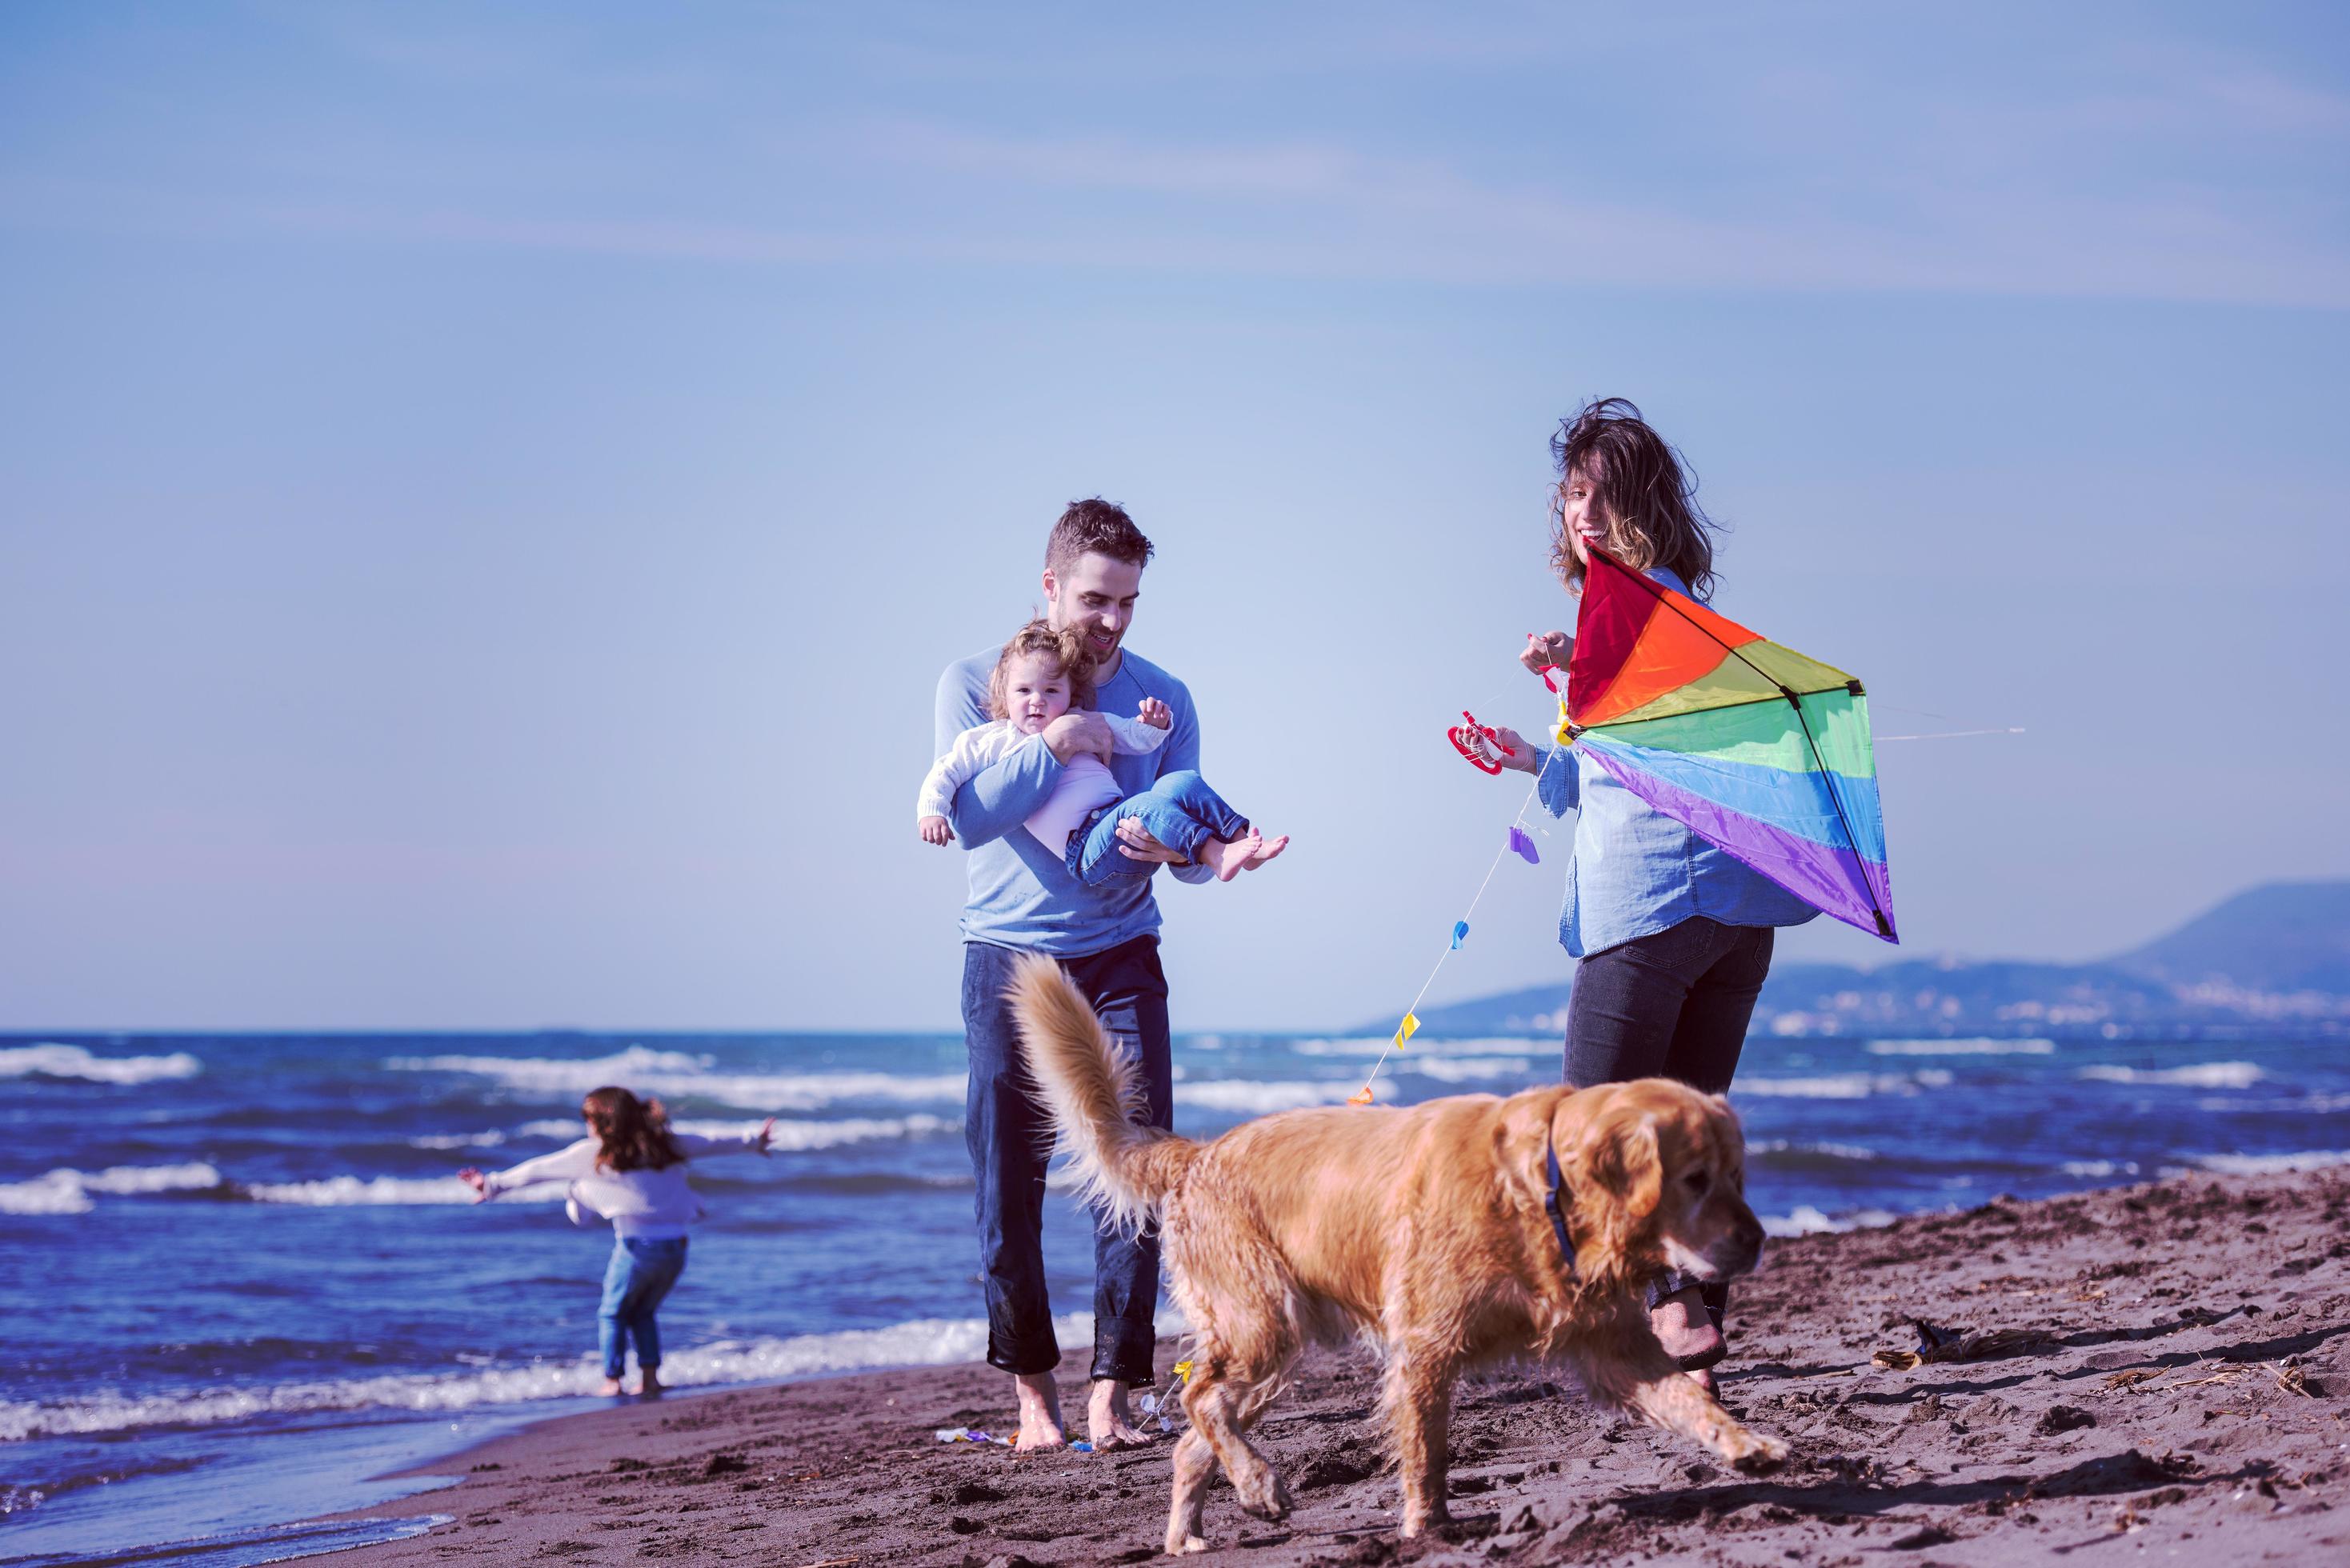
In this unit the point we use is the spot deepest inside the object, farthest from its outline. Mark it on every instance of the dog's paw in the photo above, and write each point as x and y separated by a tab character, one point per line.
1183	1545
1266	1497
1760	1456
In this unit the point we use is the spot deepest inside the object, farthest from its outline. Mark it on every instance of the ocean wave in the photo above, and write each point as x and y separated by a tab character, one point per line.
1807	1221
1464	1069
1844	1085
1817	1151
490	1139
1260	1097
70	1191
2092	1170
677	1076
382	1191
927	1342
53	1061
793	1136
1372	1045
1961	1047
2201	1076
2274	1164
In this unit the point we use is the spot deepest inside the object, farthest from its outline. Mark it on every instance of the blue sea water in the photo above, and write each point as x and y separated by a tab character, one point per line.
215	1240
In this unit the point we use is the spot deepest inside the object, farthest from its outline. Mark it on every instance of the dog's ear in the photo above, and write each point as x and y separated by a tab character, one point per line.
1631	1166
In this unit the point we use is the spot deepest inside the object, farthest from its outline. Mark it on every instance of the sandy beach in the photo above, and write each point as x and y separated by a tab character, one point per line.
2157	1371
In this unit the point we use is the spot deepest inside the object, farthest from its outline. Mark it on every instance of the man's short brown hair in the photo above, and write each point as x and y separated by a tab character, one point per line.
1096	527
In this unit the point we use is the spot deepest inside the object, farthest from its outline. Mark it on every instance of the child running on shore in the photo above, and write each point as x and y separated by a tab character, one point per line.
1040	677
630	1169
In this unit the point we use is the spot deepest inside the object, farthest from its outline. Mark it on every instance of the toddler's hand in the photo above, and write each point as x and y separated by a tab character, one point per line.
767	1134
477	1181
1156	714
934	830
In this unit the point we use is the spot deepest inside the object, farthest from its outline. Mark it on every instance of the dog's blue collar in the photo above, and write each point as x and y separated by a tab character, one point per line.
1553	1191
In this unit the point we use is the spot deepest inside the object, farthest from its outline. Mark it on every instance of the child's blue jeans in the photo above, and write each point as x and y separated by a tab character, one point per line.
1180	811
642	1272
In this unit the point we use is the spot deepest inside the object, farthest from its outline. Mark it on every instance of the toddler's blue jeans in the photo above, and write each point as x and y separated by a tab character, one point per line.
642	1272
1180	811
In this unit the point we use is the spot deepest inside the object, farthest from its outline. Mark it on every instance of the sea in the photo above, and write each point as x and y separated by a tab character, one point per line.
216	1244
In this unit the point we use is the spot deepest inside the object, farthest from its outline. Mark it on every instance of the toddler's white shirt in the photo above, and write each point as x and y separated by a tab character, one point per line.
1084	787
651	1204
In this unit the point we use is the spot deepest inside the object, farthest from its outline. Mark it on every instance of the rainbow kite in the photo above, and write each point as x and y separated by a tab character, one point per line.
1752	745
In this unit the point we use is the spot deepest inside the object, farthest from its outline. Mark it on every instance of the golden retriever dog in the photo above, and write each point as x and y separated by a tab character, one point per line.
1423	1231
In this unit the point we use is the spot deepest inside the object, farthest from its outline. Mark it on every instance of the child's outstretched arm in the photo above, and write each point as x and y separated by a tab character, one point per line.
564	1165
696	1146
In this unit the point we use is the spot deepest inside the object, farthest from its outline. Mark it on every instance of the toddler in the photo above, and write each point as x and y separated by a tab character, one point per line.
1040	677
630	1170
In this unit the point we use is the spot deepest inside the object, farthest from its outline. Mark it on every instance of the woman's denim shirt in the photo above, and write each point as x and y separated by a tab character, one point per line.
1635	870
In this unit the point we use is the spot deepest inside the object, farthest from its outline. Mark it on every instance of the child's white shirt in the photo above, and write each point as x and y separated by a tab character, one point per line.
646	1204
1084	787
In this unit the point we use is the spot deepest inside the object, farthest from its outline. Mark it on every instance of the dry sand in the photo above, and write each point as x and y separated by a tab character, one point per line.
2166	1376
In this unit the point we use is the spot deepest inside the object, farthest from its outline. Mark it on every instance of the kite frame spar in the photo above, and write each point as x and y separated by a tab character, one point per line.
1801	677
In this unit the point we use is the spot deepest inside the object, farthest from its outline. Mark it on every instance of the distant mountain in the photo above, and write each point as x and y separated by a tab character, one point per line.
2273	959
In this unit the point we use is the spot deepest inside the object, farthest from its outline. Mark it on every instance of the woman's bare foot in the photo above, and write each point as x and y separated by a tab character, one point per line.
1040	1412
1229	859
1685	1329
1109	1416
610	1388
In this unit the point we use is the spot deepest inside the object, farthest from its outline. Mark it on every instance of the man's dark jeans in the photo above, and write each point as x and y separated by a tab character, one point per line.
1011	1136
1672	1004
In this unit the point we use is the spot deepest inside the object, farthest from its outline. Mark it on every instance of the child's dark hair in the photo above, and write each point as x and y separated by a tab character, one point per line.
634	1133
1066	648
1653	517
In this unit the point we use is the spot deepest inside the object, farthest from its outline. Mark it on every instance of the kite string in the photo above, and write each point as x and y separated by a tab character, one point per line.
1517	821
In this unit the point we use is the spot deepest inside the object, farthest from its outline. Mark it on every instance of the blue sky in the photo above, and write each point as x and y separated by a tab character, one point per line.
486	493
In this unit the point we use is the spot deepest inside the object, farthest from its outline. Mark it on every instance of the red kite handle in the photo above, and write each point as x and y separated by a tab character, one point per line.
1461	735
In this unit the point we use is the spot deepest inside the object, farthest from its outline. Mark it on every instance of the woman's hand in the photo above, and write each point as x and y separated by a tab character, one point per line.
1520	756
477	1181
767	1134
1543	650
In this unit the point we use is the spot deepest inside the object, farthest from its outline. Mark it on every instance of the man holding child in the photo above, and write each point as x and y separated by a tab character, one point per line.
1025	897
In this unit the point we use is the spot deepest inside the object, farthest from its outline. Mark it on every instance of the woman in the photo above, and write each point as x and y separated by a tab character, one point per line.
1673	934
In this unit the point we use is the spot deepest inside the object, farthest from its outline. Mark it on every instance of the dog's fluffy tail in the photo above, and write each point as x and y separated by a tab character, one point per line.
1090	1087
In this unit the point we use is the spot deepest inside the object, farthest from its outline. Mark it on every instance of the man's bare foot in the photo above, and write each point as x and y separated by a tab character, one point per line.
1229	858
1685	1329
1040	1412
1109	1416
648	1387
610	1388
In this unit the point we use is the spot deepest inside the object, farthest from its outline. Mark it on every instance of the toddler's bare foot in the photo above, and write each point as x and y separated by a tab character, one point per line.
1040	1412
1225	856
1272	846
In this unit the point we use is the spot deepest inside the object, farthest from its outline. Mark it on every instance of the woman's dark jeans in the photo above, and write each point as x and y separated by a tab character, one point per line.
1011	1137
1672	1004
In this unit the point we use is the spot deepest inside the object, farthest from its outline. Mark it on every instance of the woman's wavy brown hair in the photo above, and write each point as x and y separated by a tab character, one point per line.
1650	504
1066	648
634	1133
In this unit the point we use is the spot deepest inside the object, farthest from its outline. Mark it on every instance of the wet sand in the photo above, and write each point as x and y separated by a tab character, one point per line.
2150	1373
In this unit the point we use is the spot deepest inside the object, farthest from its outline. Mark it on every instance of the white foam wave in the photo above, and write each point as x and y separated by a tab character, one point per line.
1372	1045
383	1191
53	1061
1961	1047
792	1136
2201	1076
2274	1164
928	1342
69	1191
2093	1169
1843	1085
1259	1099
1465	1069
676	1075
1833	1150
1807	1221
490	1139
